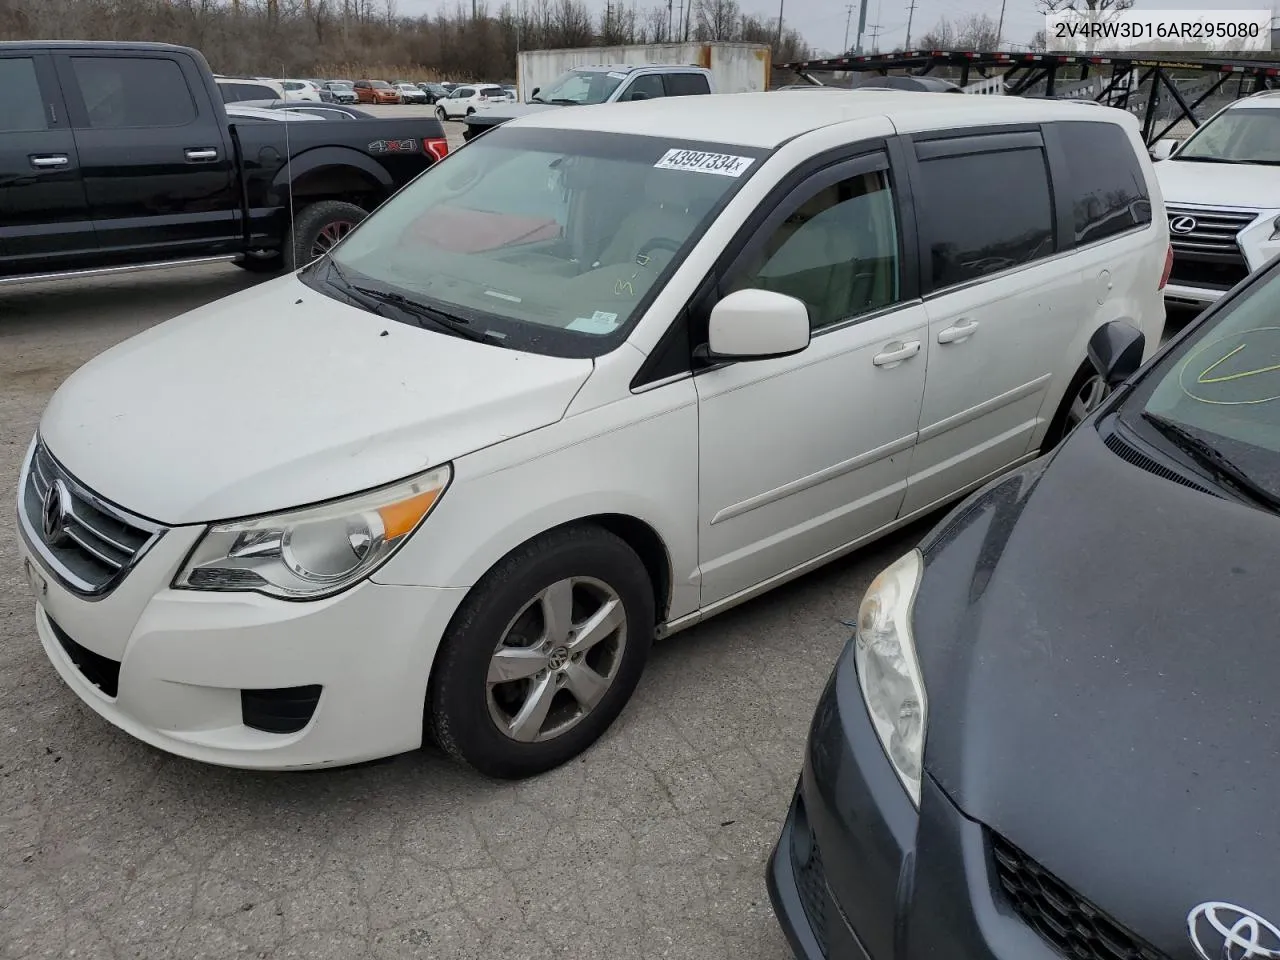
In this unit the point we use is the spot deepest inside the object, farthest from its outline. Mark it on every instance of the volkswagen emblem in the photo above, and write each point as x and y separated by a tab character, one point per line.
1223	931
1182	225
53	515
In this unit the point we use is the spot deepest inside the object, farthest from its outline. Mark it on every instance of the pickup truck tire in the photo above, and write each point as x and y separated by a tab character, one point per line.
318	226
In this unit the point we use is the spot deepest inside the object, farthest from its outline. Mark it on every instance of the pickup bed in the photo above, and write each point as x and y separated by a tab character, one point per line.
120	156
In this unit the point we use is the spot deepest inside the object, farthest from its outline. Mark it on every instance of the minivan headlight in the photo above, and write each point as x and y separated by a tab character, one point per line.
888	670
316	551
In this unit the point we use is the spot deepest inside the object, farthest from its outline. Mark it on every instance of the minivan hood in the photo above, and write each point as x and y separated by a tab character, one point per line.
279	396
1101	657
1247	185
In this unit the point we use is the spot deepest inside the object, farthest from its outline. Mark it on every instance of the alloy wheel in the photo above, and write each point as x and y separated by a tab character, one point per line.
556	660
329	235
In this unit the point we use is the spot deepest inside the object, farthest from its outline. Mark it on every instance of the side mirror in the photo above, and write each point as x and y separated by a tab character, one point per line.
757	325
535	91
638	95
1115	350
1164	148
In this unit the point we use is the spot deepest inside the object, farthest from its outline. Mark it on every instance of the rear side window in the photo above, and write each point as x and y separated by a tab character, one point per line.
1107	192
237	92
685	84
981	213
133	92
22	104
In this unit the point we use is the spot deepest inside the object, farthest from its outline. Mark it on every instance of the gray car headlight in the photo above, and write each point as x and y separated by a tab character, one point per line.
316	551
889	671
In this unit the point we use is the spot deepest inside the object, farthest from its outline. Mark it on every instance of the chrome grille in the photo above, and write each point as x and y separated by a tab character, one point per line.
98	542
1214	234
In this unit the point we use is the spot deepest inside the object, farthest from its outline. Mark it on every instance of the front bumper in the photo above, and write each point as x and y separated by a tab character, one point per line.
859	874
180	662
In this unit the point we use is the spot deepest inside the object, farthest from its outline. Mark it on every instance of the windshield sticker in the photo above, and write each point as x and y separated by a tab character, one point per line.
393	146
617	76
1234	370
599	322
723	164
502	296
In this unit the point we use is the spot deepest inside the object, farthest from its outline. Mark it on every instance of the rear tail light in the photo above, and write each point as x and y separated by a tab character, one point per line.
1168	267
438	147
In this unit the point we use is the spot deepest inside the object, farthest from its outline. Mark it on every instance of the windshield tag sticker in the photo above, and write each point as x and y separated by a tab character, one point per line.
723	164
502	296
599	322
617	76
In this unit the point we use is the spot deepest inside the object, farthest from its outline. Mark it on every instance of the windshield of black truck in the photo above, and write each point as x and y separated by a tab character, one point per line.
1222	388
550	239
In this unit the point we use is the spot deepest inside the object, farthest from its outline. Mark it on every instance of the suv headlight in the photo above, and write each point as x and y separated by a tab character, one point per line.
316	551
888	670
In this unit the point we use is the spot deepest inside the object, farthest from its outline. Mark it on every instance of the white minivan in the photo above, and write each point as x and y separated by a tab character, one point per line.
602	374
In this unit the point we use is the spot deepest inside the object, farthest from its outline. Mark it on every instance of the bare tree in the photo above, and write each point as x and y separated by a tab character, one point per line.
1083	6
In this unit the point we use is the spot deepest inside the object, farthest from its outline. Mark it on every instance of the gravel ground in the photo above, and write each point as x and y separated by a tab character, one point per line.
653	844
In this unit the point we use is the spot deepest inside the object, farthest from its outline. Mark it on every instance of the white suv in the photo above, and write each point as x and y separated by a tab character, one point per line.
303	91
1222	188
616	370
464	101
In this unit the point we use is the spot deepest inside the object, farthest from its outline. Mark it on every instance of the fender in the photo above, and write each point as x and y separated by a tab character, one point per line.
320	157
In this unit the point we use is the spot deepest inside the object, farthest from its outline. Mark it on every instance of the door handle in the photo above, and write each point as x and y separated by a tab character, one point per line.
896	353
49	161
961	330
201	154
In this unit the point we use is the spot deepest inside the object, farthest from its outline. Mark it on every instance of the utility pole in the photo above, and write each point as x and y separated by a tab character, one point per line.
862	25
848	16
777	47
669	36
1000	25
874	30
911	12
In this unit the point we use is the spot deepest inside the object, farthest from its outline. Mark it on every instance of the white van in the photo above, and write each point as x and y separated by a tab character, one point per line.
599	375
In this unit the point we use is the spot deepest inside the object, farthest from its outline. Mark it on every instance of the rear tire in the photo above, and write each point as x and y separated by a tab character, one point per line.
318	226
569	617
1085	394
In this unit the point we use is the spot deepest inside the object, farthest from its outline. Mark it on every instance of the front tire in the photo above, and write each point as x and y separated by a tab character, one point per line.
441	115
543	654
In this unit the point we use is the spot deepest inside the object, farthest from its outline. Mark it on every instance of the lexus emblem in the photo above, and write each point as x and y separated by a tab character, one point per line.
1223	931
1182	225
54	513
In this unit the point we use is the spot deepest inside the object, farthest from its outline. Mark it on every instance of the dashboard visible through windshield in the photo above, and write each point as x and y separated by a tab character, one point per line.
1237	135
546	240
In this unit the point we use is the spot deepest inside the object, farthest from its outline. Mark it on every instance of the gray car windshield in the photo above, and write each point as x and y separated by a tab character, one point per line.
1223	385
1238	135
581	86
546	239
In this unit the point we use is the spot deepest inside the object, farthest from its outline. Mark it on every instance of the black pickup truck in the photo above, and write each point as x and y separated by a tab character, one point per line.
121	156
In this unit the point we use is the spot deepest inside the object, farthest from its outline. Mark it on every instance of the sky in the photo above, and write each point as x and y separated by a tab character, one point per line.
822	22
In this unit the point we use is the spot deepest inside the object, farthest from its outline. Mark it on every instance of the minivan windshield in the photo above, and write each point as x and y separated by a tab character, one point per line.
581	86
1237	135
544	240
1221	387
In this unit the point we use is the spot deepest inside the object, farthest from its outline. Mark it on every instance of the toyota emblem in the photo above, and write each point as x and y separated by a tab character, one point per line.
1223	931
53	516
1182	225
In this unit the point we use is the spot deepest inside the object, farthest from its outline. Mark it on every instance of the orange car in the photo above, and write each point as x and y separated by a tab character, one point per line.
376	91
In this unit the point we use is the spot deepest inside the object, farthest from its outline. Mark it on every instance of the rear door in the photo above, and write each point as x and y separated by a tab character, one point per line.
44	216
1003	305
157	173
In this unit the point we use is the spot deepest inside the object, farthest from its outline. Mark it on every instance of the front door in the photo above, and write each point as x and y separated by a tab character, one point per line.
801	456
1002	309
44	216
157	172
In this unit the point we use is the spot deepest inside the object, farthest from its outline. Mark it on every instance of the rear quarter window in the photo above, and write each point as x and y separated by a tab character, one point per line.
982	213
686	84
1106	191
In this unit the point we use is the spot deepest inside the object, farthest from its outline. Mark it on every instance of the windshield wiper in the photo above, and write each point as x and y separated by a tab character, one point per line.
536	99
1213	459
442	320
562	101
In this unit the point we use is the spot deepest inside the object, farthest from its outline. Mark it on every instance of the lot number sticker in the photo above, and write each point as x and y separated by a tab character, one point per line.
720	163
